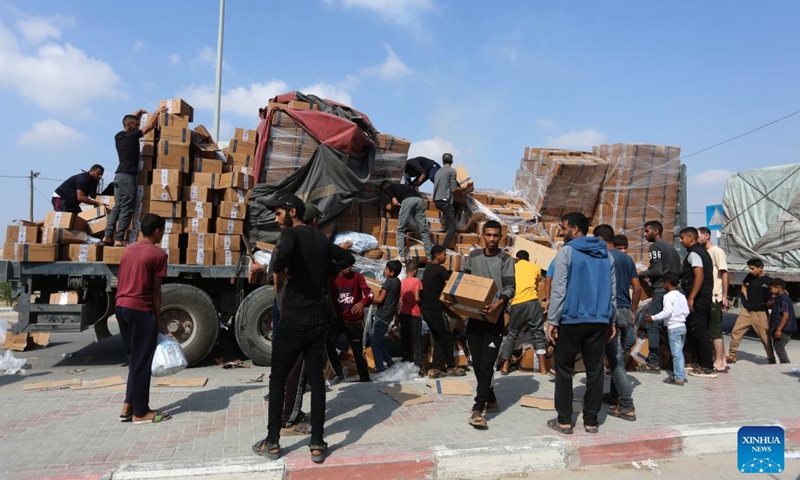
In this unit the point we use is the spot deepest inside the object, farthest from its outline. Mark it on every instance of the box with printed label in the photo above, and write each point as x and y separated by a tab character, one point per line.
235	195
245	135
468	238
240	159
200	241
171	240
179	163
165	209
171	120
226	257
165	193
177	106
197	194
64	220
243	170
96	212
22	234
207	165
30	252
199	257
173	255
198	225
97	226
241	147
107	200
84	253
169	148
229	226
206	180
65	297
236	180
176	135
470	294
173	225
167	177
232	210
113	255
228	242
199	210
63	236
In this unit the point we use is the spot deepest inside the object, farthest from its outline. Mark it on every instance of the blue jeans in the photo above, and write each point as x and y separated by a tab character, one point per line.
620	385
379	351
677	337
625	329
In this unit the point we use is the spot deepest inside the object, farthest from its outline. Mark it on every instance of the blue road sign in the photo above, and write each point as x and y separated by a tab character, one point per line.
715	219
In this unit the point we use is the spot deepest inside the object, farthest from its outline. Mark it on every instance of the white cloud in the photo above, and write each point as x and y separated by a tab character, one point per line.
138	45
401	12
711	178
174	59
329	91
38	29
392	68
433	148
576	140
56	77
242	101
50	133
207	56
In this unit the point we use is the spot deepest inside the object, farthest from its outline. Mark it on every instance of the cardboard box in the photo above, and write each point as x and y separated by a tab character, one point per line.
173	255
539	254
243	170
169	148
206	180
199	257
147	149
236	160
165	209
197	194
63	236
235	195
198	225
207	165
228	242
199	210
173	226
94	213
113	255
169	162
470	294
245	135
468	238
107	200
30	252
232	210
200	241
64	220
167	120
178	106
171	241
241	147
165	193
167	177
97	227
230	226
226	257
236	180
84	253
176	134
25	233
640	349
65	297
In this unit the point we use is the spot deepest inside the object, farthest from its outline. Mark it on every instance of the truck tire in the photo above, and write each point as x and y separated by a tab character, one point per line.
253	324
189	315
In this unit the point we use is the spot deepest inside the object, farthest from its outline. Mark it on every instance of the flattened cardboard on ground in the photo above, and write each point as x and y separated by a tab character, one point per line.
21	341
103	383
55	385
546	403
405	395
181	382
450	387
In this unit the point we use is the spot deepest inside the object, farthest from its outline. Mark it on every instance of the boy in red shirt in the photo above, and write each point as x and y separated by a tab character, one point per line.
138	304
411	316
350	294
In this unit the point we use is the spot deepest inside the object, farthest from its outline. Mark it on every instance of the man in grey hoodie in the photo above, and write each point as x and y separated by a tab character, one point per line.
582	307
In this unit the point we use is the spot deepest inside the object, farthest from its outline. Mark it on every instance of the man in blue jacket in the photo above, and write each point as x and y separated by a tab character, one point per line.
582	306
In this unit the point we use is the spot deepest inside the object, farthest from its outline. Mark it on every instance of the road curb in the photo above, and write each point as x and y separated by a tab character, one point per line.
490	459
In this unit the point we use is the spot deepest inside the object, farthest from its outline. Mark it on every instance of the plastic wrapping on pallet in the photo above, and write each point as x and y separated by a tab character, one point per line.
289	148
642	184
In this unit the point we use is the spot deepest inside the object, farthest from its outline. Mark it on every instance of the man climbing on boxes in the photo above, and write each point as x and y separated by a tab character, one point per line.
77	189
412	210
444	186
127	142
419	169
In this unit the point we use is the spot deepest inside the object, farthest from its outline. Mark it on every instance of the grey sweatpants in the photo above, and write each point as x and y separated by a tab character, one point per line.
124	205
413	210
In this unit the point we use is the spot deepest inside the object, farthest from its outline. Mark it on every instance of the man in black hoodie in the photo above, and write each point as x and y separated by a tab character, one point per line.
697	282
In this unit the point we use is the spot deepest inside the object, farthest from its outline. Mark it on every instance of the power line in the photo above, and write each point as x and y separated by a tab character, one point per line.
741	135
15	176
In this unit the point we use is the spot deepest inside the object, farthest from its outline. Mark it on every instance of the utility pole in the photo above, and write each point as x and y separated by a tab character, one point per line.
218	87
33	175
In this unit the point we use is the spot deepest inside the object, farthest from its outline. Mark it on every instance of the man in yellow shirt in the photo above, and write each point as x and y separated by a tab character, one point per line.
525	308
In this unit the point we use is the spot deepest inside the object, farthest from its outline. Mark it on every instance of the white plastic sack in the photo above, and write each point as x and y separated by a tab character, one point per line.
169	358
361	241
11	365
262	257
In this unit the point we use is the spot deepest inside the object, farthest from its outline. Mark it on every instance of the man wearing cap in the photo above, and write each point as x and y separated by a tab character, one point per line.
305	258
419	169
412	209
444	186
77	189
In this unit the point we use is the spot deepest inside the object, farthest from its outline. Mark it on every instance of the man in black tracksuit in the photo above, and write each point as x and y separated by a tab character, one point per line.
697	282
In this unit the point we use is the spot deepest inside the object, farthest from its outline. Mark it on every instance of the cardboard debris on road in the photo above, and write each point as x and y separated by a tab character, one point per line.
450	387
22	341
546	403
181	382
405	395
103	383
232	363
55	385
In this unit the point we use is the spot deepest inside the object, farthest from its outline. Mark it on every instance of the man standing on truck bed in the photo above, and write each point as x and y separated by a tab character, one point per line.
127	142
306	258
141	269
663	259
444	186
77	189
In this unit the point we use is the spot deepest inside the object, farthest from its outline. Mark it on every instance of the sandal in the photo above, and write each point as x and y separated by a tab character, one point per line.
730	359
267	449
477	420
456	372
491	407
300	428
322	448
644	368
435	373
628	414
157	417
126	418
553	424
591	428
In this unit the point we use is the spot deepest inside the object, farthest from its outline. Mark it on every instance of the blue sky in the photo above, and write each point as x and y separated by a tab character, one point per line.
481	79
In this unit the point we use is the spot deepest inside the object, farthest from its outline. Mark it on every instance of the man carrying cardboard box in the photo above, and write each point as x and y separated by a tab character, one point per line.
77	189
127	142
484	337
580	318
444	186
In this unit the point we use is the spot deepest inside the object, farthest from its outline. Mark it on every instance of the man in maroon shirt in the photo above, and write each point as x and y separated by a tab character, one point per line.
138	303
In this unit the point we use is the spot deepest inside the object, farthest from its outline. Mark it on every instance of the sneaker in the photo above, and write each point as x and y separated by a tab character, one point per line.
671	380
704	373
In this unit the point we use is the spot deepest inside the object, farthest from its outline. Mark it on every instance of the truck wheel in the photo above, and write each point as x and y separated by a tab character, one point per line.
189	315
254	325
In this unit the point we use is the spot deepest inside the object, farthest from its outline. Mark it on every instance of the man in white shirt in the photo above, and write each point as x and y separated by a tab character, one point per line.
719	298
